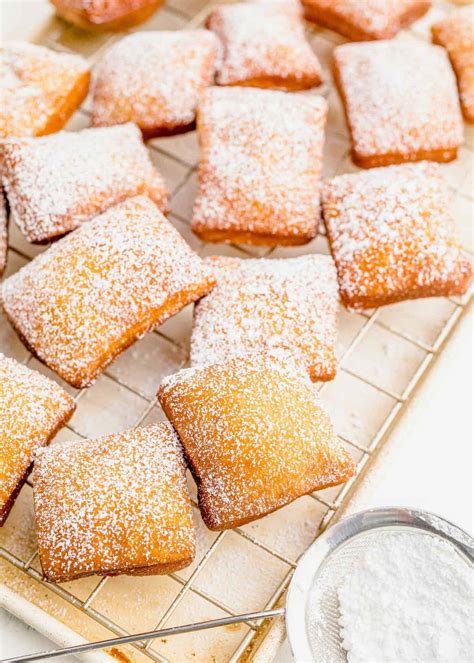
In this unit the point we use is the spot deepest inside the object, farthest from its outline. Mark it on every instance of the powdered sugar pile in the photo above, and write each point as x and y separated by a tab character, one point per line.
260	163
113	504
377	78
391	234
56	182
96	290
154	79
34	84
264	41
408	598
262	303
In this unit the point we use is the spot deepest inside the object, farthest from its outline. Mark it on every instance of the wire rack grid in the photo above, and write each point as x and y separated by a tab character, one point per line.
383	356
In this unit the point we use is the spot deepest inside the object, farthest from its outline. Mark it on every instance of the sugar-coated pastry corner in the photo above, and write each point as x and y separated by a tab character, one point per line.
456	34
255	435
114	505
41	88
32	409
363	20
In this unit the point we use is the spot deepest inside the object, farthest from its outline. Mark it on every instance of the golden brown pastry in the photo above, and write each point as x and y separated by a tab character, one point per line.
55	183
456	34
3	232
261	157
114	15
255	435
392	236
264	45
32	410
154	79
261	304
40	88
94	292
400	101
361	20
116	504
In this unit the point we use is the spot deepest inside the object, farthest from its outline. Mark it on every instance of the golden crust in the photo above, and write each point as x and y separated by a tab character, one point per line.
261	156
367	19
93	293
55	183
32	409
392	237
456	34
263	304
255	436
164	103
3	232
114	16
380	76
41	89
264	45
126	512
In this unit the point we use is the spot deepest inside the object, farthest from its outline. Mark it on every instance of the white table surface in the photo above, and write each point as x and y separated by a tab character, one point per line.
427	463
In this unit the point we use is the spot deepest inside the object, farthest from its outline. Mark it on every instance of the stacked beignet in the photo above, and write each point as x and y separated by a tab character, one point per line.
106	14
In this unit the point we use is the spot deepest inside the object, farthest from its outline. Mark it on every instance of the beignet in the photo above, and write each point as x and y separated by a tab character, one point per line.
376	80
154	79
392	236
55	183
261	157
32	409
116	504
94	292
255	435
281	303
113	15
3	232
40	88
264	45
361	20
456	34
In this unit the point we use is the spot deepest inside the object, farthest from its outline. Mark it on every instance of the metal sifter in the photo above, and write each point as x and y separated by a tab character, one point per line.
314	585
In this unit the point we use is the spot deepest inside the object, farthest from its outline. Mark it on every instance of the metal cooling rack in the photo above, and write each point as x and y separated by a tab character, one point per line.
383	354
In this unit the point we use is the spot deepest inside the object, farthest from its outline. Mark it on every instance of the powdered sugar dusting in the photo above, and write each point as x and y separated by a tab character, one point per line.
35	83
255	435
367	19
56	182
154	79
456	34
407	598
115	504
377	78
257	304
32	408
97	290
3	232
102	11
260	165
391	235
264	44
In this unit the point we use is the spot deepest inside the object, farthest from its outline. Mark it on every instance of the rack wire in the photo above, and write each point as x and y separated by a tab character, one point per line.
383	354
